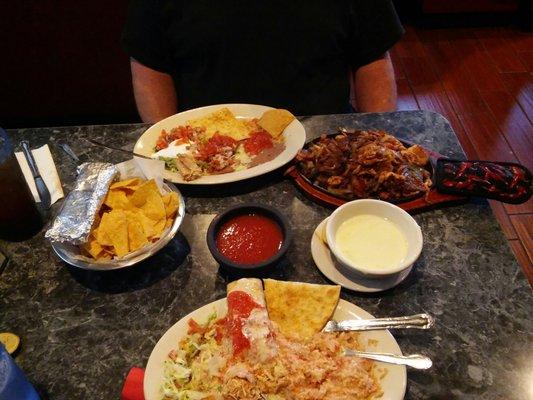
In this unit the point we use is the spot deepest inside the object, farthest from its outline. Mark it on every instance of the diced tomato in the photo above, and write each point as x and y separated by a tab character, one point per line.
214	145
257	142
162	142
181	134
194	327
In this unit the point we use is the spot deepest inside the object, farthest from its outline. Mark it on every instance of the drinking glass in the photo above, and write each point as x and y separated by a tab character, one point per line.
13	382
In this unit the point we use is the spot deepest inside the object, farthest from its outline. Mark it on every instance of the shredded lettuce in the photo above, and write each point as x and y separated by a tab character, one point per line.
189	370
170	163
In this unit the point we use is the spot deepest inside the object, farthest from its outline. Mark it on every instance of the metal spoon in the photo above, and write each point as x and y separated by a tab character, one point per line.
416	361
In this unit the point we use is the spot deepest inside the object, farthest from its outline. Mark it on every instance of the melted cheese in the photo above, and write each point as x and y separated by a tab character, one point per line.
371	241
224	122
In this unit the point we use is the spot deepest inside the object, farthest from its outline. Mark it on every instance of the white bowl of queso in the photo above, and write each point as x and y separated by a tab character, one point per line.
373	237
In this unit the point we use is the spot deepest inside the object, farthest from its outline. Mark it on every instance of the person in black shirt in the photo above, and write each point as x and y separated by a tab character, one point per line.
298	54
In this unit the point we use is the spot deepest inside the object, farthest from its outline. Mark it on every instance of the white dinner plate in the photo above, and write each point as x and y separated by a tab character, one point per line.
393	383
294	140
326	263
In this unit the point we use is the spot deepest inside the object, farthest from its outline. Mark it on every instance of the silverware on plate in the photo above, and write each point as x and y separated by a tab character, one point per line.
106	146
42	190
418	321
416	361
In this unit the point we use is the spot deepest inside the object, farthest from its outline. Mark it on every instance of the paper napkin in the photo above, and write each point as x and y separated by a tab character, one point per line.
47	169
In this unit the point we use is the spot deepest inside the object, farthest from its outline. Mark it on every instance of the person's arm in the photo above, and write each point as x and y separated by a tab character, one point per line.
375	86
154	92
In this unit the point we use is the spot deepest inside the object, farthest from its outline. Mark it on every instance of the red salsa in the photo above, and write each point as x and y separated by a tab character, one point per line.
183	134
214	146
249	239
258	142
240	305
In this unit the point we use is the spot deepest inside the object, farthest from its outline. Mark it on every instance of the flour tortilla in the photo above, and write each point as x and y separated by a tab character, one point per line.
275	121
300	309
252	286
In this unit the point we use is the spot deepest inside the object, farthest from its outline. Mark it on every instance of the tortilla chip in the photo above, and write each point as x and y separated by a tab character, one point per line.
138	215
136	235
300	309
171	202
117	231
101	235
275	121
117	199
153	207
106	254
138	198
128	184
146	223
93	248
159	228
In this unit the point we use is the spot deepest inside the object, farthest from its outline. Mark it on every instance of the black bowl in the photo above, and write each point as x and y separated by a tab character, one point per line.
242	209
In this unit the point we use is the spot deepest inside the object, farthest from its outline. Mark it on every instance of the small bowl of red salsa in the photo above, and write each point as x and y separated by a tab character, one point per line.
249	237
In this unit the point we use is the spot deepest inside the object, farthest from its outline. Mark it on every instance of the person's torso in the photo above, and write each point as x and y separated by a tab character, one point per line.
284	54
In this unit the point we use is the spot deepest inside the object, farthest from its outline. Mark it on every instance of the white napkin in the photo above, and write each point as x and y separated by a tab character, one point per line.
151	169
47	169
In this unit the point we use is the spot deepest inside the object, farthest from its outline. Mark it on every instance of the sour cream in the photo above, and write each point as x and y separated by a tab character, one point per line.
370	241
172	150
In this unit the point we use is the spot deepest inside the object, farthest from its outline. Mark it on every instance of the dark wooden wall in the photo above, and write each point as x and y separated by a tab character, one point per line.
61	63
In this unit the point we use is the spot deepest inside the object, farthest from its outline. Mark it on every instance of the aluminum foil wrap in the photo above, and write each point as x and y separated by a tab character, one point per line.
76	217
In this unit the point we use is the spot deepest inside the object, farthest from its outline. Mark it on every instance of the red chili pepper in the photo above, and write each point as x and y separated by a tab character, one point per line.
518	175
462	169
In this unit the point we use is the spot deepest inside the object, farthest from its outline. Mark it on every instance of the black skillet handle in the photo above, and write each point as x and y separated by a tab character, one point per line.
502	181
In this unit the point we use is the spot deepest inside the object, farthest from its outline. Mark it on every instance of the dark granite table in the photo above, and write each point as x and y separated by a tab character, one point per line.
81	331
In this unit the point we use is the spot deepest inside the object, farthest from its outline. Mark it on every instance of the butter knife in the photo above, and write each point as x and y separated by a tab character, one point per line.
42	190
418	321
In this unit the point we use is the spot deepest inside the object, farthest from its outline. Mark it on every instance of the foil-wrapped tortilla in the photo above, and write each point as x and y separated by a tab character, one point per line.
76	217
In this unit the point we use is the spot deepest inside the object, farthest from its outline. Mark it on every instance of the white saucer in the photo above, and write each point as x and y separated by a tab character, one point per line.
326	263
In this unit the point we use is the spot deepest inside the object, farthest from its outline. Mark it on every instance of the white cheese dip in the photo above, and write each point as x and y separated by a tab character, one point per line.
370	241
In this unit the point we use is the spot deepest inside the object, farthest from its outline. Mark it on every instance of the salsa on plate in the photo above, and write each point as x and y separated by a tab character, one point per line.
221	143
243	355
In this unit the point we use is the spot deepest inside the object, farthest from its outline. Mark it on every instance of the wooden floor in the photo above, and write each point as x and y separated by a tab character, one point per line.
481	80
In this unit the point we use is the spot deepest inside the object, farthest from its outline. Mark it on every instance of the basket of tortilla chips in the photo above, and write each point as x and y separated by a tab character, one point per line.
137	217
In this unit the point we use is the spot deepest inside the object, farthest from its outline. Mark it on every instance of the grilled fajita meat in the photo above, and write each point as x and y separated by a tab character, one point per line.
366	164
